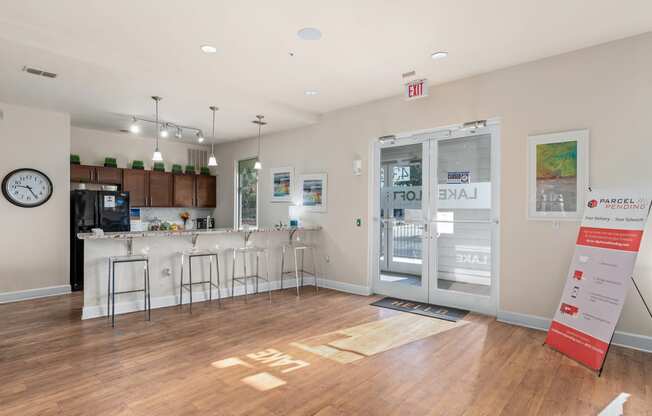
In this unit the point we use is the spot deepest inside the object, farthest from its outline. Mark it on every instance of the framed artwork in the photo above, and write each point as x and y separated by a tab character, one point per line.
313	189
282	184
558	175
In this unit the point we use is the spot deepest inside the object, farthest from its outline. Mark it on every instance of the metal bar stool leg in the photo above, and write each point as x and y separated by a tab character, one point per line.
181	284
233	276
113	296
210	278
145	289
257	271
149	293
282	265
303	256
108	292
296	270
217	272
269	284
190	280
244	266
314	268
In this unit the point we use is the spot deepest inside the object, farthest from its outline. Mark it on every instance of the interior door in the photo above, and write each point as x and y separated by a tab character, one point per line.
401	185
463	220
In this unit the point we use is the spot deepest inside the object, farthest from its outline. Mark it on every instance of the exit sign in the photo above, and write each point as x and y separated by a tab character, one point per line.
416	89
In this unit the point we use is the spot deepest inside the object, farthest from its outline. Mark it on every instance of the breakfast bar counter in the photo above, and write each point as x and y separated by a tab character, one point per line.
163	249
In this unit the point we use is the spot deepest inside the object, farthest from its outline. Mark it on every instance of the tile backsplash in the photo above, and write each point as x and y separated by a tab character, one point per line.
171	215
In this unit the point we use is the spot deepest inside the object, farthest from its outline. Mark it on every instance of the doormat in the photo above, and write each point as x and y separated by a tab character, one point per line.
425	309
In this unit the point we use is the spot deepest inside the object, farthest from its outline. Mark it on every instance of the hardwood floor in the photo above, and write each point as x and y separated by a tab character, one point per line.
51	363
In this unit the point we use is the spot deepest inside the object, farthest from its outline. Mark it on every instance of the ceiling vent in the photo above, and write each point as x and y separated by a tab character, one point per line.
40	72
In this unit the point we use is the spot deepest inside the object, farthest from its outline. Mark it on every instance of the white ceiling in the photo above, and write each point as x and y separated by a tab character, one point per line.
112	55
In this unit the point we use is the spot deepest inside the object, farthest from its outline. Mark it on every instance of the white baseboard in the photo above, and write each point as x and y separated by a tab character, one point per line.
622	339
41	292
96	311
345	287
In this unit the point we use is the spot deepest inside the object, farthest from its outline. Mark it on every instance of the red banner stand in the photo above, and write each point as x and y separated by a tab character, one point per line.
647	307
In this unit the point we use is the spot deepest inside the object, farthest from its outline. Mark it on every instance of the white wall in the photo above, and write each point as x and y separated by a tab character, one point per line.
93	146
34	244
606	89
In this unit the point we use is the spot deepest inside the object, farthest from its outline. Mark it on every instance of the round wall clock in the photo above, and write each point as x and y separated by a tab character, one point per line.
27	188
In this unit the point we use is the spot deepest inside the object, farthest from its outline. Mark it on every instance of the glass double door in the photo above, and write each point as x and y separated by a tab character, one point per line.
437	225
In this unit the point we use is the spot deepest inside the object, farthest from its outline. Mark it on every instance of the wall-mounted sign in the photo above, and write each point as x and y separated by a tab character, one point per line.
475	195
416	89
463	176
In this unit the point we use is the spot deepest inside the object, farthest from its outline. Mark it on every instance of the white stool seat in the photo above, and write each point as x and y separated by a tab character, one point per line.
124	259
249	249
200	252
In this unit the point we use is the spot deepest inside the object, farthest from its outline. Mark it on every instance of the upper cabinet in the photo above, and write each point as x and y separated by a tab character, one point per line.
82	173
206	189
152	188
160	189
108	176
135	182
183	190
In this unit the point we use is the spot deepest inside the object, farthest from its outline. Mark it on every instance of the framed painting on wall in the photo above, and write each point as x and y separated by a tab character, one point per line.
282	184
558	175
313	189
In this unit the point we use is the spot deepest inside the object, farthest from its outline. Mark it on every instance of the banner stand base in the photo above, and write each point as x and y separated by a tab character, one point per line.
612	335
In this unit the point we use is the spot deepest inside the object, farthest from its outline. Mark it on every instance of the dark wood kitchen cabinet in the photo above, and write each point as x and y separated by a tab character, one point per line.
134	181
160	189
108	176
206	191
82	173
183	189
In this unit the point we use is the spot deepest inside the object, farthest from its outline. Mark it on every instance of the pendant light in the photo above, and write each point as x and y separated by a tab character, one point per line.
157	156
258	165
211	160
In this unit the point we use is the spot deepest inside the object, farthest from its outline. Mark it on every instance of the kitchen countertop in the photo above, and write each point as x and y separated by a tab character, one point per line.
181	233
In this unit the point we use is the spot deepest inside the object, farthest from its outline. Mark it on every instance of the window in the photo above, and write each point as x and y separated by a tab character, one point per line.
247	200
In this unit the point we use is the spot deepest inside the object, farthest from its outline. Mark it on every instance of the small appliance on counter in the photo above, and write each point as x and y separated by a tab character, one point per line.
205	223
93	207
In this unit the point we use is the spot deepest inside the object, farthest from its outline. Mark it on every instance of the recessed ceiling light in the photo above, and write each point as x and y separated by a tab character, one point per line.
208	49
439	55
311	92
309	33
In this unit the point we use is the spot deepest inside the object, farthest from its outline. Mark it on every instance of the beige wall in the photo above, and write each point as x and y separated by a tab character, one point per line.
93	146
34	243
606	89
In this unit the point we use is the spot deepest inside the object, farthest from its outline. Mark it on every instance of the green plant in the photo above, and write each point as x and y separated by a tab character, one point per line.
176	169
159	167
205	171
190	169
137	164
110	162
75	160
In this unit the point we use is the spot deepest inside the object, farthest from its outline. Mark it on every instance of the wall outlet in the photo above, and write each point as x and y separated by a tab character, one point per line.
327	259
167	272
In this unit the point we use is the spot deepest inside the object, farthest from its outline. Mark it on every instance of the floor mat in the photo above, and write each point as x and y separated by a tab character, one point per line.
424	309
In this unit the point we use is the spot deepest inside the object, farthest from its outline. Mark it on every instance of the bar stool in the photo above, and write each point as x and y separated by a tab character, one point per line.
244	252
299	246
200	253
110	298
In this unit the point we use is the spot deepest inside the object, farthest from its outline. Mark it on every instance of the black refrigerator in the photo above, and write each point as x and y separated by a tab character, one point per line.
108	210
